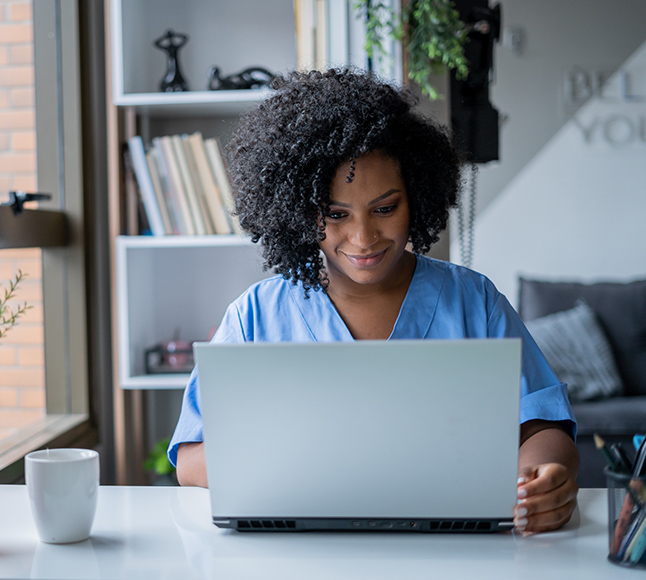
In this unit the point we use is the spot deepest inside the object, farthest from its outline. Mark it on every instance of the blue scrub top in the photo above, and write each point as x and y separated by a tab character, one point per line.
443	301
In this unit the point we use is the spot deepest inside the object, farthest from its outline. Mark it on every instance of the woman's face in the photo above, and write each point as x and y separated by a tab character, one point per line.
367	226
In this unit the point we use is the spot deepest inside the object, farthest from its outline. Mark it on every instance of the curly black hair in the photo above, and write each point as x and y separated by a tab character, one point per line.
284	154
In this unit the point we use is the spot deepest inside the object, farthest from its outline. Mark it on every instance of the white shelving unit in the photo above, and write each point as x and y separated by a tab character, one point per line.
175	282
165	283
179	282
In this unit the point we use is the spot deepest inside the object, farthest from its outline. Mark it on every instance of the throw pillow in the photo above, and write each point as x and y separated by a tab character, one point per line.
578	351
620	308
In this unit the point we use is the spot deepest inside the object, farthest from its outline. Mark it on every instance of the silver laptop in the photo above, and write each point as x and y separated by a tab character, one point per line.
406	435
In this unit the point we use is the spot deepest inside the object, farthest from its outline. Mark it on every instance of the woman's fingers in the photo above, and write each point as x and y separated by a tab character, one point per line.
542	479
546	498
545	521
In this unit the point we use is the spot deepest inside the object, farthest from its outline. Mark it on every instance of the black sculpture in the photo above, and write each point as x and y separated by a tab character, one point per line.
250	78
171	42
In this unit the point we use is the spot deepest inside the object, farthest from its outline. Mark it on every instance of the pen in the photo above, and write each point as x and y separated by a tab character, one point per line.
639	545
619	464
635	493
622	457
640	460
630	537
634	498
600	444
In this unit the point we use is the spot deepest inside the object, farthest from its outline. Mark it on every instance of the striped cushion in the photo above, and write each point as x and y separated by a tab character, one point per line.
578	351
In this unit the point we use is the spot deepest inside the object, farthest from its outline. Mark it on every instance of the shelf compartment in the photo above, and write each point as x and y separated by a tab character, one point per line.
167	283
231	35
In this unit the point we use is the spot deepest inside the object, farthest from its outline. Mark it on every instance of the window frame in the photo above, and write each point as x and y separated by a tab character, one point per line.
59	152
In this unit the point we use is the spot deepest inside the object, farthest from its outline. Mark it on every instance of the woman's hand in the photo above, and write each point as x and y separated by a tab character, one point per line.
548	465
546	498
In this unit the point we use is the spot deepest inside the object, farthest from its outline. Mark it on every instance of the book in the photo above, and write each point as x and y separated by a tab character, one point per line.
221	175
146	187
159	193
188	186
305	20
209	185
183	213
199	189
312	42
321	36
160	167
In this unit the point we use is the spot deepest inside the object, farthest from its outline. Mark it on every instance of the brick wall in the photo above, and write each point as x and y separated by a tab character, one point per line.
22	381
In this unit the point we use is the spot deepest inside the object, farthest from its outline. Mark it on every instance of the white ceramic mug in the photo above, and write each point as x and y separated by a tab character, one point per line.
63	486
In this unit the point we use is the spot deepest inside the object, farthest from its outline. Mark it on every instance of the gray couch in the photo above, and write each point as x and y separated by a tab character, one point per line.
621	312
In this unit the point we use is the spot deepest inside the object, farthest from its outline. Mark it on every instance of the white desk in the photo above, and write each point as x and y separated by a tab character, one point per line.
166	532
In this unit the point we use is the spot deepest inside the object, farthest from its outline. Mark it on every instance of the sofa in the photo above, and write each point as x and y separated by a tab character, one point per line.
617	409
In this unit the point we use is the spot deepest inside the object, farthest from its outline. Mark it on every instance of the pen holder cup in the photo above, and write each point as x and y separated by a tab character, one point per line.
626	519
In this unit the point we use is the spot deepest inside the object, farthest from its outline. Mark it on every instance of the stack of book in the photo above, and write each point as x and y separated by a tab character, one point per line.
184	185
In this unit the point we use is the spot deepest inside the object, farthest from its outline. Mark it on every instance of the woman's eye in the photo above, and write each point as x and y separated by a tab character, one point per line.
335	215
386	209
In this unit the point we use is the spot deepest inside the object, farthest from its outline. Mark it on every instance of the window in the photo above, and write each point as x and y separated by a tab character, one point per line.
22	360
40	126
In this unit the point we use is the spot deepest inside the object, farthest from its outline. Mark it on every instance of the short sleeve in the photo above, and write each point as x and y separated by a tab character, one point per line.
189	424
543	396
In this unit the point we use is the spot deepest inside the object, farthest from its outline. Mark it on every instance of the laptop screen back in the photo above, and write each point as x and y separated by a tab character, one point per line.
370	429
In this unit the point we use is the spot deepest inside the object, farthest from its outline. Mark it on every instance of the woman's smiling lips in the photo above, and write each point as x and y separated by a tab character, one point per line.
367	261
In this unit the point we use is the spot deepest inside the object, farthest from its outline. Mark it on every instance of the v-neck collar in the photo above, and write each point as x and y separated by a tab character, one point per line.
420	303
415	315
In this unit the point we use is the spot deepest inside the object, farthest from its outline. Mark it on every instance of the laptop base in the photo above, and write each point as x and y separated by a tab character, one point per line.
366	525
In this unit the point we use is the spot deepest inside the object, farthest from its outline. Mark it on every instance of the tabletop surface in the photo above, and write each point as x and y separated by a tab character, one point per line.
166	532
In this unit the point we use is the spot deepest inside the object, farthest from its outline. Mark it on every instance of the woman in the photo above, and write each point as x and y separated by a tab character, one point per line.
345	186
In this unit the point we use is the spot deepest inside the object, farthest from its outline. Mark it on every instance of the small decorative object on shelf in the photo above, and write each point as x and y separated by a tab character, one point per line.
175	356
250	78
171	42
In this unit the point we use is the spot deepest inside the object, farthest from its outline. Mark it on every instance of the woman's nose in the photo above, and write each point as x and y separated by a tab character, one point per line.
364	235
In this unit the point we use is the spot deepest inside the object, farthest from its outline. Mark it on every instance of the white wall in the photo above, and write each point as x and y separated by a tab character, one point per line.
528	86
577	210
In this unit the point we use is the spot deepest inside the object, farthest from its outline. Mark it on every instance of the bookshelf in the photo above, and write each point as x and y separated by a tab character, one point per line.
161	283
276	35
169	282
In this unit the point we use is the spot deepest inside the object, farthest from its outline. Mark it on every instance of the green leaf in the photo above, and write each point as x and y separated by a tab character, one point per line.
436	37
157	459
9	317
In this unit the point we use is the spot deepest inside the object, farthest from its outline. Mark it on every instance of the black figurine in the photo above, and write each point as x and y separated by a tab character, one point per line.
250	78
171	42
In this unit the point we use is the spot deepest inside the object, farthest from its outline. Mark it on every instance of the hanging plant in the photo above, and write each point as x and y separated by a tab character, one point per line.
431	32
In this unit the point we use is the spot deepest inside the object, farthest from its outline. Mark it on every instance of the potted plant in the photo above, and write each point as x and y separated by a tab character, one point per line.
8	315
157	463
431	32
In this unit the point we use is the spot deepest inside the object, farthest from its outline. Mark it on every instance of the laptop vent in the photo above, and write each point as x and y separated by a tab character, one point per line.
267	524
460	526
442	526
